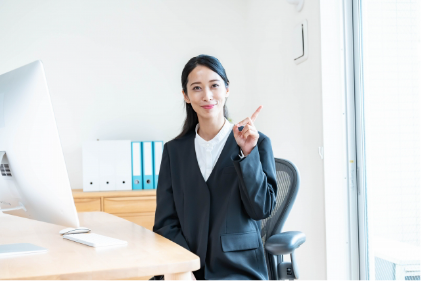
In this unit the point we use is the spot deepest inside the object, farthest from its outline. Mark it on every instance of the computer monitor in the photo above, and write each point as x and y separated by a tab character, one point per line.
34	178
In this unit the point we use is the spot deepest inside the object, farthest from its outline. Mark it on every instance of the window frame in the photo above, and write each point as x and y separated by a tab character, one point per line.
346	231
361	208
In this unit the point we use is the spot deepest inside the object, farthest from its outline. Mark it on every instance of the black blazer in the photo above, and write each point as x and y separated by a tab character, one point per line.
218	220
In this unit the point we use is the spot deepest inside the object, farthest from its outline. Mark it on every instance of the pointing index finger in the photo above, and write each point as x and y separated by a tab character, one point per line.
254	116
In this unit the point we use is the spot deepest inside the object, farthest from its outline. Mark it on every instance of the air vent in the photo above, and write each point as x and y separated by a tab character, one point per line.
5	170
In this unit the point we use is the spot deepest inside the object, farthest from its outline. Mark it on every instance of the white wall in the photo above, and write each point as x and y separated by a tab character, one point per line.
114	68
292	115
338	243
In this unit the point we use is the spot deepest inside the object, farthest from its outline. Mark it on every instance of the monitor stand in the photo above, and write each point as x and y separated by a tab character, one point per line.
21	206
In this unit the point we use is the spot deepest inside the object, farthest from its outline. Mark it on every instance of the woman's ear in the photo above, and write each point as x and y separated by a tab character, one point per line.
186	98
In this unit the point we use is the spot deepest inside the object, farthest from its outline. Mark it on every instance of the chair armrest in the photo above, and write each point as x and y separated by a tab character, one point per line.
285	242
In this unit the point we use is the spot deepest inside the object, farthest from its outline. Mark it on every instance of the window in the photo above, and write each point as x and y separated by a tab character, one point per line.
387	129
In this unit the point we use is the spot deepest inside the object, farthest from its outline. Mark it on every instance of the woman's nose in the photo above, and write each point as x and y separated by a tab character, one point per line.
208	94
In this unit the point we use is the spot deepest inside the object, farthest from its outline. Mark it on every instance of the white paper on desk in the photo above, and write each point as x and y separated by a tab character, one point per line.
20	249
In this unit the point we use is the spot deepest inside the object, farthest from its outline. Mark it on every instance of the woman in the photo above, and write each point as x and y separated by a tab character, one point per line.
217	180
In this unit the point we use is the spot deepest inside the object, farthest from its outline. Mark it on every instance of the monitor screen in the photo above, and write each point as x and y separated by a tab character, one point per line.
33	177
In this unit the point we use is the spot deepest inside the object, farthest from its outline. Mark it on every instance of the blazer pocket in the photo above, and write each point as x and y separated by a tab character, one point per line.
240	241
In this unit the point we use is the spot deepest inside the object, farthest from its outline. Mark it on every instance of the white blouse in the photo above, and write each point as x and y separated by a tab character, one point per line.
207	152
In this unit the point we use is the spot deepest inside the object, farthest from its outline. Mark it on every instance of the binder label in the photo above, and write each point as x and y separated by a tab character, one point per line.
147	154
136	160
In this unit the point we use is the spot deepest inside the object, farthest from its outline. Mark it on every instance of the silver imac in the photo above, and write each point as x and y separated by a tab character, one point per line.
34	182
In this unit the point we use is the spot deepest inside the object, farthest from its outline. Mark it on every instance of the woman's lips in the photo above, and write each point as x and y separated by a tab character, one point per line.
208	106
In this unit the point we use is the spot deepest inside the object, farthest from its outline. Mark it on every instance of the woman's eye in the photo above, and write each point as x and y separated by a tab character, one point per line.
216	85
196	87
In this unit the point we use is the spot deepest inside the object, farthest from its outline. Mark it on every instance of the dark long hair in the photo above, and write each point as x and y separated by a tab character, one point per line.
213	64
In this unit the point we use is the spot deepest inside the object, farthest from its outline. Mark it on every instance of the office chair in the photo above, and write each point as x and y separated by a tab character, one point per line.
276	242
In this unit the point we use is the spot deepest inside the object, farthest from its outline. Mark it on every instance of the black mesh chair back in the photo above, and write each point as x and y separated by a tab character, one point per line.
288	182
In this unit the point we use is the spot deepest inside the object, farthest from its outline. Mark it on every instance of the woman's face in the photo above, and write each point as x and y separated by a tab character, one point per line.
206	88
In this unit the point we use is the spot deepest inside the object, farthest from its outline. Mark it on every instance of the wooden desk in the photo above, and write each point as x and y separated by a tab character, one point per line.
146	254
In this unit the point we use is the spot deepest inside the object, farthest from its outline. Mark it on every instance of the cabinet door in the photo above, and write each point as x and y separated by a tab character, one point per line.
139	278
116	205
88	204
146	220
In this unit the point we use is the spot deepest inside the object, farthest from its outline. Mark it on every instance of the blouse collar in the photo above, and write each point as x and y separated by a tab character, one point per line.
221	134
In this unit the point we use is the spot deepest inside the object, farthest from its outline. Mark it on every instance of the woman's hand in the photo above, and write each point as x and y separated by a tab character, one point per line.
247	138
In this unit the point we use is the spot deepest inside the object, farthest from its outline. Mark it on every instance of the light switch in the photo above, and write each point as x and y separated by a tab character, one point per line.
300	42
